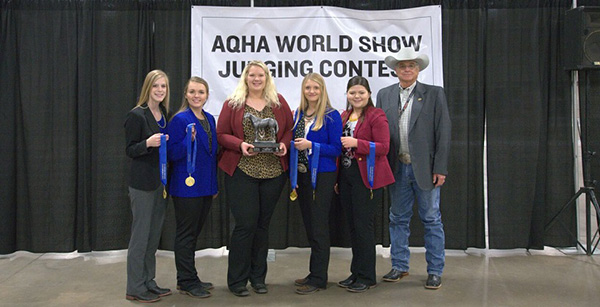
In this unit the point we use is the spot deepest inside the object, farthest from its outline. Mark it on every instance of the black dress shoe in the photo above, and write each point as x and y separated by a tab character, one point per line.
207	285
433	282
240	291
394	275
358	287
203	285
301	281
260	288
146	297
347	282
160	291
197	292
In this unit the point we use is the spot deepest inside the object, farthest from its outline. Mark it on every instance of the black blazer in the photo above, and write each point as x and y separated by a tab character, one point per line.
145	169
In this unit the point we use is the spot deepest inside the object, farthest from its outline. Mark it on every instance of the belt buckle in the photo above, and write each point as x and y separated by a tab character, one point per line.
404	158
346	162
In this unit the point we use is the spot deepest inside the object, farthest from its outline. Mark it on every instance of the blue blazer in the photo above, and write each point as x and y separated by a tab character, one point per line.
205	173
329	136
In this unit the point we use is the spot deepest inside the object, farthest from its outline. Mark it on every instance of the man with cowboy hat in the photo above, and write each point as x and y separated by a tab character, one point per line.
419	147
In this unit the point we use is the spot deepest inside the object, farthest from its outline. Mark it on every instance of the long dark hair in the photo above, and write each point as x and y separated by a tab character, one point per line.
358	80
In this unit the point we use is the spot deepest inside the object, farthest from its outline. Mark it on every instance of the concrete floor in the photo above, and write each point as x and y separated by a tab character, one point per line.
471	278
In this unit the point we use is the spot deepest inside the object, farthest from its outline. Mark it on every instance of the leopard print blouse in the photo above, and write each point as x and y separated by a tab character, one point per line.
262	165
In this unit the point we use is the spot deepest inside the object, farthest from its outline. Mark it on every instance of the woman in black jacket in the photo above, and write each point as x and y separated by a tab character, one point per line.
145	129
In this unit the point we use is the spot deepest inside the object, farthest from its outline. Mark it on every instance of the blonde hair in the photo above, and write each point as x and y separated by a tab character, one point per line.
323	103
238	98
151	77
185	104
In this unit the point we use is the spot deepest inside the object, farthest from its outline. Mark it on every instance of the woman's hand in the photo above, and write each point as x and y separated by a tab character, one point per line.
302	144
154	140
282	150
245	147
349	142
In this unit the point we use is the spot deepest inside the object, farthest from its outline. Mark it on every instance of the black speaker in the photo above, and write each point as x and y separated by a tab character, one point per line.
581	33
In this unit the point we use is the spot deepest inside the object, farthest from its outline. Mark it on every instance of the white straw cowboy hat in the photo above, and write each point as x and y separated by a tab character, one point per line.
407	54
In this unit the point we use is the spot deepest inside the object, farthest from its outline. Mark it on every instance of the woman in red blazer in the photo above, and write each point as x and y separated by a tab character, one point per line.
365	131
257	178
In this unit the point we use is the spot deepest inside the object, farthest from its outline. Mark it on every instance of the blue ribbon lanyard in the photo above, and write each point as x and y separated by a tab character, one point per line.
371	166
162	153
314	166
191	156
293	171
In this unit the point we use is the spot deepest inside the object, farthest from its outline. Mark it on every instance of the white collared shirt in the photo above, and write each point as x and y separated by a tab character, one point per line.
404	120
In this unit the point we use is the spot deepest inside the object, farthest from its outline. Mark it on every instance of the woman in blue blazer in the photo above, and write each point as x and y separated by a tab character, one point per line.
192	151
317	131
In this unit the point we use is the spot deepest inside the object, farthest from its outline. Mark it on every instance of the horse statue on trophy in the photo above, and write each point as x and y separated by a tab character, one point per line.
261	126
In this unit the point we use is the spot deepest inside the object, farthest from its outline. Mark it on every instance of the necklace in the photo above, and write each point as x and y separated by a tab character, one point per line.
309	116
201	113
162	117
353	117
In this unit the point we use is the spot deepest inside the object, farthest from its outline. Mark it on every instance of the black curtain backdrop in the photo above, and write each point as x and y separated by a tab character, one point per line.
71	69
530	167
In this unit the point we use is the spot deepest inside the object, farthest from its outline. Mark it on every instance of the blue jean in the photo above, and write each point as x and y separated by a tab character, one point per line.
402	198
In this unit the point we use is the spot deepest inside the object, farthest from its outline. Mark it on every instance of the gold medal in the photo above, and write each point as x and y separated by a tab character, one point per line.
293	195
371	193
189	181
164	193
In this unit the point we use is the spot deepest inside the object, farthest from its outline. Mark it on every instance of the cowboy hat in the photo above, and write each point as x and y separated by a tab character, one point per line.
407	54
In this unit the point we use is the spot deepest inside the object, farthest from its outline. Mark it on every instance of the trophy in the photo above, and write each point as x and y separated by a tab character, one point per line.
265	134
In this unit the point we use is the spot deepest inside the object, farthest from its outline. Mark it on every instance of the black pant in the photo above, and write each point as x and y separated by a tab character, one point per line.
360	212
190	214
315	214
252	202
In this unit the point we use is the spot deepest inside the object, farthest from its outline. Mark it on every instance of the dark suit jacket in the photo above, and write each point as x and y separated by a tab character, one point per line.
230	134
145	170
428	134
205	172
373	128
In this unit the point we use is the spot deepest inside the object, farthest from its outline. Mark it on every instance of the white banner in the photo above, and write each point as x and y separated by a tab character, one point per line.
294	41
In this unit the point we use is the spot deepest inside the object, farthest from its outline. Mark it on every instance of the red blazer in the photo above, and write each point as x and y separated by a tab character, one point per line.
230	133
373	128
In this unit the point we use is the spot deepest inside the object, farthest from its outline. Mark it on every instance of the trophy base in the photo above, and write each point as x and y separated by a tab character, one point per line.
265	147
